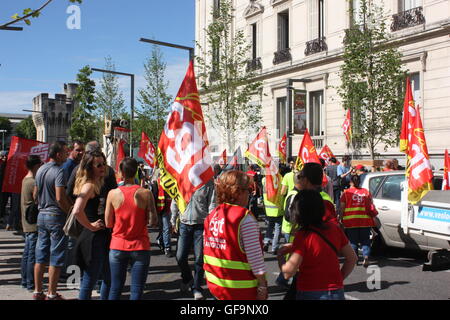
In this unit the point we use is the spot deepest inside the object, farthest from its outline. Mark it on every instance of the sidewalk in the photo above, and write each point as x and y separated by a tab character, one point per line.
11	249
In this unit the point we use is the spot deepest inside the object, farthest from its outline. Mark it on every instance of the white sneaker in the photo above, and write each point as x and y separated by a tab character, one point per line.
198	296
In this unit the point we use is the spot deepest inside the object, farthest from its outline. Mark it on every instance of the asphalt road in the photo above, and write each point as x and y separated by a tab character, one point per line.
397	275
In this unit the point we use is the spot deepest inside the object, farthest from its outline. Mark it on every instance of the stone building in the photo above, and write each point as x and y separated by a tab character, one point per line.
297	48
53	117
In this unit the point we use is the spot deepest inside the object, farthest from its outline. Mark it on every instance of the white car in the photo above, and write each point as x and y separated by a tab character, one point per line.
386	190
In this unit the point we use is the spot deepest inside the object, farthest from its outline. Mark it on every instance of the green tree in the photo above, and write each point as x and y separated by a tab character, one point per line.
84	123
108	98
26	129
227	84
29	13
371	80
154	99
5	124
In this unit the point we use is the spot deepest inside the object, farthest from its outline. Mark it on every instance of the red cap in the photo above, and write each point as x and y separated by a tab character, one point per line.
359	167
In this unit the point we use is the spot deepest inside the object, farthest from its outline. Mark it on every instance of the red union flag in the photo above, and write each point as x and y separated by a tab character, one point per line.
282	149
182	154
418	171
223	158
147	150
347	126
446	181
307	152
326	154
259	153
409	114
16	170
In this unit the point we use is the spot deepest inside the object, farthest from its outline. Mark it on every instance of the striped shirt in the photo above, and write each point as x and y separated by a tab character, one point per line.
250	241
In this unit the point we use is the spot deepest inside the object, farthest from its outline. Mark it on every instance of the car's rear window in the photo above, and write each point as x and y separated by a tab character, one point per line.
374	183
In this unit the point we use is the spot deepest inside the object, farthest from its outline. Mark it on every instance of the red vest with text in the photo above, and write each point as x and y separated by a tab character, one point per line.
228	273
356	213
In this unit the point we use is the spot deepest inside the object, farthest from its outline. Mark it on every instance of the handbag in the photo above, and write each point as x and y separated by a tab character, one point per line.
72	227
31	213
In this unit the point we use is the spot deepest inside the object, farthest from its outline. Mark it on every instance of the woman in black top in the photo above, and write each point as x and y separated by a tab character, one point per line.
92	248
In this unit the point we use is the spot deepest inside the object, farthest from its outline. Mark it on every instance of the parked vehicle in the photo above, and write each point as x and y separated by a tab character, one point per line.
386	189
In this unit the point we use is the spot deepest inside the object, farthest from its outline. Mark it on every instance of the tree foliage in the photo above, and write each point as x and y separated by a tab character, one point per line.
229	90
109	100
5	124
372	76
154	99
26	129
84	123
29	13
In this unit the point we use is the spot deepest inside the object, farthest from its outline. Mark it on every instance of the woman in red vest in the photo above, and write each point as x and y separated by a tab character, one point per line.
315	251
233	257
358	213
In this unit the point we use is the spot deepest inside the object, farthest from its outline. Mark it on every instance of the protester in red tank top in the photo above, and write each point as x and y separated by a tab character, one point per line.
320	275
128	210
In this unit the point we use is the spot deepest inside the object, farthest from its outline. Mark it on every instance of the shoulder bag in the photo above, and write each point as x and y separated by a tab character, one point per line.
72	227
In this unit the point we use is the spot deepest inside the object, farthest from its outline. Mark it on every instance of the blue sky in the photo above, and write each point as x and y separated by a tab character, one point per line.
45	55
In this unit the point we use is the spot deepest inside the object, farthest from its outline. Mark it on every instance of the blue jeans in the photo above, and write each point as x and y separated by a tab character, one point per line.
321	295
358	236
164	227
191	235
273	231
52	241
28	260
98	269
118	262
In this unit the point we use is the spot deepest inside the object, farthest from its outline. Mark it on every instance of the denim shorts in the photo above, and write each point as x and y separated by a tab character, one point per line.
52	241
321	295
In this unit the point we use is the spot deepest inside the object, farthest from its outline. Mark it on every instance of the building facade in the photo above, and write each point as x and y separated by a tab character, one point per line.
297	48
53	117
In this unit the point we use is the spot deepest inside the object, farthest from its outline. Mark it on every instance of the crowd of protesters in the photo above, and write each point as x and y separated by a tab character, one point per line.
311	226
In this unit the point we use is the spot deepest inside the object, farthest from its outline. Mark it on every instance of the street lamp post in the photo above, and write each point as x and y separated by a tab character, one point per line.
171	45
132	100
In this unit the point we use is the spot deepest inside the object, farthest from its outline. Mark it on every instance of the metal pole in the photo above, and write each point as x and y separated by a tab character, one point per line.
289	120
132	115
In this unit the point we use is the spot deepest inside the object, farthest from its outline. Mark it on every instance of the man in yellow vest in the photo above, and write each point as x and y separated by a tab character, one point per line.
274	218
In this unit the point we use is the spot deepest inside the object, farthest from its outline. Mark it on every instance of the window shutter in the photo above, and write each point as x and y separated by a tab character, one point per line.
313	19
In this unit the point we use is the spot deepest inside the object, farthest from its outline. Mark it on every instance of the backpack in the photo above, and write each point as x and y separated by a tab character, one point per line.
31	213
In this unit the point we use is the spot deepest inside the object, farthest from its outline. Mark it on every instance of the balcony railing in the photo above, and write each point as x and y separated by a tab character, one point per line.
282	56
316	46
318	143
254	64
408	18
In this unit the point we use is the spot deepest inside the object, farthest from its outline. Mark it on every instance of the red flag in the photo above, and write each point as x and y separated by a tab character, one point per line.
282	149
259	153
147	150
326	154
223	158
120	154
418	171
307	152
182	154
408	121
446	181
347	126
16	170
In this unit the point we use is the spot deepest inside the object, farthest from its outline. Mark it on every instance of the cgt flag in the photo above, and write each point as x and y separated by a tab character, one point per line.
259	153
408	121
16	170
347	126
326	154
223	158
147	150
182	155
235	161
307	152
418	171
446	181
282	149
120	153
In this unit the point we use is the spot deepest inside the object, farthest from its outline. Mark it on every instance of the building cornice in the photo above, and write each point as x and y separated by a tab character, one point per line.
253	9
